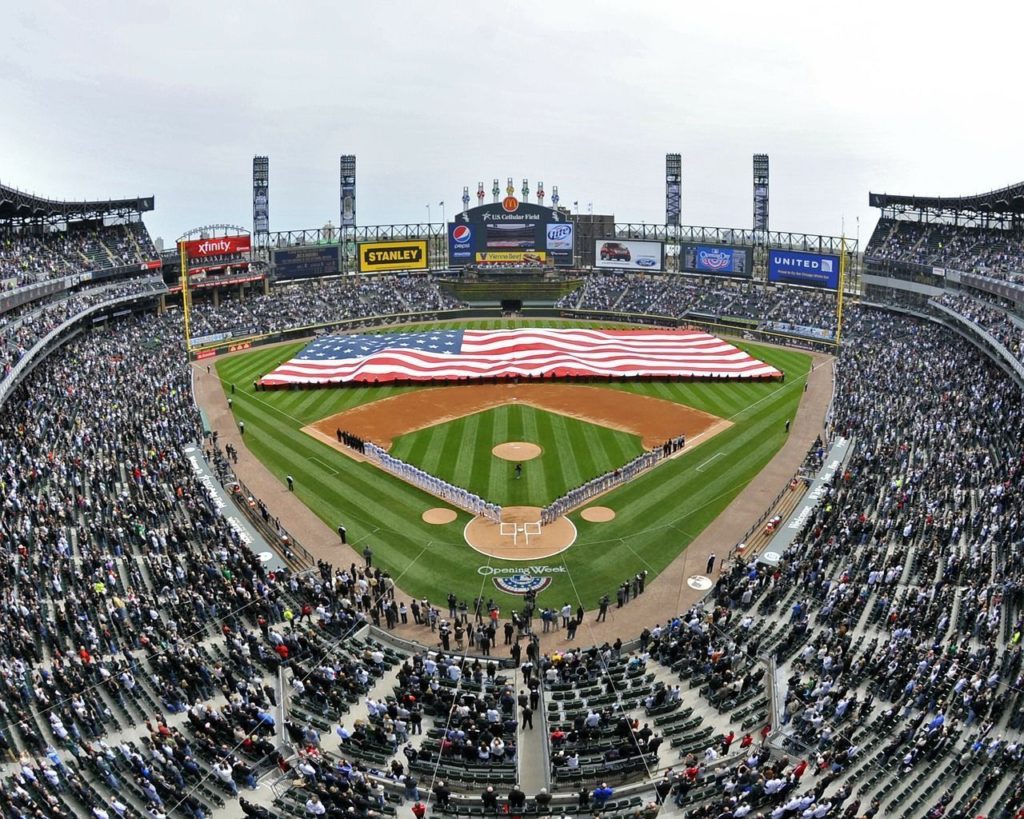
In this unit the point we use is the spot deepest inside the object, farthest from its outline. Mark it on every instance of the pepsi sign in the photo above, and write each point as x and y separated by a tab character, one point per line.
460	244
808	269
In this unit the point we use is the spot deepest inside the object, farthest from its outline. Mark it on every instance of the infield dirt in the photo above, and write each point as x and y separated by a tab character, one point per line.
654	420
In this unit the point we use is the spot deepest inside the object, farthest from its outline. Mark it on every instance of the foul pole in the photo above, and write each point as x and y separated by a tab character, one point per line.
839	295
186	298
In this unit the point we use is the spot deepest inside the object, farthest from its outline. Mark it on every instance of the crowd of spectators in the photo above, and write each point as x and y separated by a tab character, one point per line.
902	597
22	328
997	323
789	309
129	599
29	257
320	302
988	251
896	617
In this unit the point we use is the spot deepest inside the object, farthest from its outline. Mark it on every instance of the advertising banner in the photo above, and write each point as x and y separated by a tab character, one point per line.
760	207
673	197
511	257
513	227
560	236
260	211
717	260
460	244
221	246
306	262
673	186
347	177
628	254
377	257
808	269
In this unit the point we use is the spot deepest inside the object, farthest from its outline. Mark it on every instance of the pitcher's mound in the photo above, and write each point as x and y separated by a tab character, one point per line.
517	451
439	515
520	540
598	514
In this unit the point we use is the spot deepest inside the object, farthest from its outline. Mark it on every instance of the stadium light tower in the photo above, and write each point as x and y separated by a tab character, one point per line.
761	196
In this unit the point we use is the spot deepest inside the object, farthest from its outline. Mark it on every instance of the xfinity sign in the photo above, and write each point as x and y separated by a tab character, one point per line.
221	246
808	269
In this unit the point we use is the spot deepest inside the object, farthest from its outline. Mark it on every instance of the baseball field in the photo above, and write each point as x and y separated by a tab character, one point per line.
733	429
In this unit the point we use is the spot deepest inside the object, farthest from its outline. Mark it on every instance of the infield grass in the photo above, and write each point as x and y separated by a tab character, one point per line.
574	451
657	515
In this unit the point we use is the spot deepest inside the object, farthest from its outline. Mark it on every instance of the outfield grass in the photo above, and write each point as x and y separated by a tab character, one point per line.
657	514
574	451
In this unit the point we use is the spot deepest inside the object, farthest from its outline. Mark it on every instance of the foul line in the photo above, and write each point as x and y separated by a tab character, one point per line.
709	460
324	464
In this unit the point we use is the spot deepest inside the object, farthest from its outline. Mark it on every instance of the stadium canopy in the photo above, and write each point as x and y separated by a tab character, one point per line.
1005	201
18	206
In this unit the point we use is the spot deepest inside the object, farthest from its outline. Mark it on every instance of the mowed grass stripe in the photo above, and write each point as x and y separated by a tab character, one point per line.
479	455
657	515
540	471
504	431
463	451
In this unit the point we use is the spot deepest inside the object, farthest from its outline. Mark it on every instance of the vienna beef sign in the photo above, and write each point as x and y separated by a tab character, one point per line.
221	246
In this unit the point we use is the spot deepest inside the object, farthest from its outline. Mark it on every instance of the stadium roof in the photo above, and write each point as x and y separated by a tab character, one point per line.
17	205
1004	200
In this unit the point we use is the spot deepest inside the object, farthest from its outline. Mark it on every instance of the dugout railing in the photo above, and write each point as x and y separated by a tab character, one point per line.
293	552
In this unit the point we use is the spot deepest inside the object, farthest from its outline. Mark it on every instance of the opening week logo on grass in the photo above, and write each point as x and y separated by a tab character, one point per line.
521	581
521	584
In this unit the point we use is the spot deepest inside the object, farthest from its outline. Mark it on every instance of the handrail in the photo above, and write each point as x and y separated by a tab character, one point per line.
980	331
27	361
280	537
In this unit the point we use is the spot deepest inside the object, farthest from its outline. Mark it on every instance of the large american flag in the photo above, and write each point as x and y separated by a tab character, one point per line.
469	354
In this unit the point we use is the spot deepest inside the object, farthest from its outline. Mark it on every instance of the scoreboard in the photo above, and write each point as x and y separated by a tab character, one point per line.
307	262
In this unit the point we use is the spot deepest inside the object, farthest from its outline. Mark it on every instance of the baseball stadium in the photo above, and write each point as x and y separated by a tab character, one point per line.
290	535
599	499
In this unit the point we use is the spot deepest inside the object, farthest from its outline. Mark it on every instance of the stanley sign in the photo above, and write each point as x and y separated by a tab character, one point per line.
377	257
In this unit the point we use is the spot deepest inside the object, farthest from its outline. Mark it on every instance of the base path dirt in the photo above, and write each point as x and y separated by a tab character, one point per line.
517	451
655	420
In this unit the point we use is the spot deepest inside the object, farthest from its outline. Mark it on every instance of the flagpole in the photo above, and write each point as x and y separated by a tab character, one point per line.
428	213
443	220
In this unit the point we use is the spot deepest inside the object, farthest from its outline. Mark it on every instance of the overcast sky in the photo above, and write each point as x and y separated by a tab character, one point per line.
110	99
